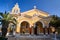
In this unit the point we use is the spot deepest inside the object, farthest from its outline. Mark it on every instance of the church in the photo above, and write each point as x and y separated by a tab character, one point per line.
33	21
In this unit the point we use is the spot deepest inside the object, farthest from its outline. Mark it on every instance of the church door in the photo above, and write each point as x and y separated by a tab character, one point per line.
38	28
24	28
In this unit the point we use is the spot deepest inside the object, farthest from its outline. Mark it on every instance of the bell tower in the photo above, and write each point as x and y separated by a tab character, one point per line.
15	9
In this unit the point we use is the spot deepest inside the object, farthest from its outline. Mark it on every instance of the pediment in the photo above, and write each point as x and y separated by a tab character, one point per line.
35	12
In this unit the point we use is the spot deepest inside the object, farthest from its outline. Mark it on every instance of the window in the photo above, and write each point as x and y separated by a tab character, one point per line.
16	11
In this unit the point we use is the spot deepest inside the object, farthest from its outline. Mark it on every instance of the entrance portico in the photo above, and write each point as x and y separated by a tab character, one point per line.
38	28
30	22
24	28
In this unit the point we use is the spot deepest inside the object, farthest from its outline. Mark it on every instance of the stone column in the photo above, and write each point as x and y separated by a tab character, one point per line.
18	28
14	30
44	30
48	30
30	30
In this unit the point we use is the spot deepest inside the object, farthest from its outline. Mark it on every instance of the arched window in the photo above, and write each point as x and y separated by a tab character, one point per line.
16	11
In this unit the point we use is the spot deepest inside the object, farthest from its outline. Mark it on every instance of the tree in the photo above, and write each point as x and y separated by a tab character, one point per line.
5	19
55	21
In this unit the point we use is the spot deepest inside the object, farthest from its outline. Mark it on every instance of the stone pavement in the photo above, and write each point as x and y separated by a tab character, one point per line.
29	38
34	37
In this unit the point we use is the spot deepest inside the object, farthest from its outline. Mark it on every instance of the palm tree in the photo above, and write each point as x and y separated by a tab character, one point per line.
5	19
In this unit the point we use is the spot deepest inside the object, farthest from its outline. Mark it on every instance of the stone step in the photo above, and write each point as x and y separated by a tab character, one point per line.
27	38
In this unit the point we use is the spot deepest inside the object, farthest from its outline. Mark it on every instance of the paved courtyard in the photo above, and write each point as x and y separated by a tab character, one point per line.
30	37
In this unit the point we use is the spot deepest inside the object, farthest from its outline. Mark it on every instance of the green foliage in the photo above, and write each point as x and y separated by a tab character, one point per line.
55	21
2	38
6	18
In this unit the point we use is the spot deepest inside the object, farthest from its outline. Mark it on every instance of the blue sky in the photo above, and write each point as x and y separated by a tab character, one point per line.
50	6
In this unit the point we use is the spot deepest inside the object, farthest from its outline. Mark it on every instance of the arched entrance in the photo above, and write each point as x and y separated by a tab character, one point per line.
11	29
38	28
24	29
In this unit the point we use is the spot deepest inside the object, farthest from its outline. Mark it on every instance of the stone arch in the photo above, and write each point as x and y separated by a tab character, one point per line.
38	27
24	27
11	29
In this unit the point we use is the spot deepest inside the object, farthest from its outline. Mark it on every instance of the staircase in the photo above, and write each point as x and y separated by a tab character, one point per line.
30	37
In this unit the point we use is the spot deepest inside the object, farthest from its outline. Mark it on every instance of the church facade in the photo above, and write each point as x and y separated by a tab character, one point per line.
31	22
